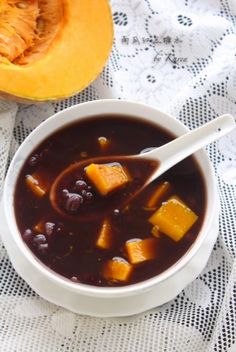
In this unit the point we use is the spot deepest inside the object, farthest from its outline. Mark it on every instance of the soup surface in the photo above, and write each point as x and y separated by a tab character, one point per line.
82	221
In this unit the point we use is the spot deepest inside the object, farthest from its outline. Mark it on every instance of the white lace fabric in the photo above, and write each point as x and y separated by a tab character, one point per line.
180	56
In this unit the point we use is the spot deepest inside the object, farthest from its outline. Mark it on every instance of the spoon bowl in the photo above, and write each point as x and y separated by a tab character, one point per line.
104	204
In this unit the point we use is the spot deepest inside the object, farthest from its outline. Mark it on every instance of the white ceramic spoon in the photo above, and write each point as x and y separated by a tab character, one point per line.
180	148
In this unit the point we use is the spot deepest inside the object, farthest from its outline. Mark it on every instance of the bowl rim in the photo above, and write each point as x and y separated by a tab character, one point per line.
87	110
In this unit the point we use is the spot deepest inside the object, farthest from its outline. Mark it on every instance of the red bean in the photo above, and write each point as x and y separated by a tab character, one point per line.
43	248
89	196
80	185
34	160
28	235
73	202
39	239
49	228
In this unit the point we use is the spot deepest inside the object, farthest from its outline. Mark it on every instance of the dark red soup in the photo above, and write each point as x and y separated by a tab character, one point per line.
81	219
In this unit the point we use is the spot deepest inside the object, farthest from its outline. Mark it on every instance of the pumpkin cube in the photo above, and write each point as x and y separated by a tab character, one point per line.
174	218
107	177
104	239
139	251
103	143
117	269
36	184
157	196
40	227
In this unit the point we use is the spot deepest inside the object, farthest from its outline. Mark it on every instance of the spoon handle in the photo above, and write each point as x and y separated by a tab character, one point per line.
180	148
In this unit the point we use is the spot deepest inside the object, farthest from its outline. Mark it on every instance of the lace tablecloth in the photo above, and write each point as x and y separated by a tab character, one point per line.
180	56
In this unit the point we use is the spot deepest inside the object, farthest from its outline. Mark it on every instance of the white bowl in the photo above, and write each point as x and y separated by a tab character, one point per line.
107	301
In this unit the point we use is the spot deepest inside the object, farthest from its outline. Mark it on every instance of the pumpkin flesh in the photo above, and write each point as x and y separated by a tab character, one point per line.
51	49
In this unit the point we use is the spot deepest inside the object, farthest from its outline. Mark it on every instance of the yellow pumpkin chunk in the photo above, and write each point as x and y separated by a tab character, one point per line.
139	251
104	240
103	143
117	269
160	192
39	227
107	178
35	183
174	218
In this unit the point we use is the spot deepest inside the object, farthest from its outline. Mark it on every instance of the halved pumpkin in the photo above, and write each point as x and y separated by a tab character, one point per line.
52	49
